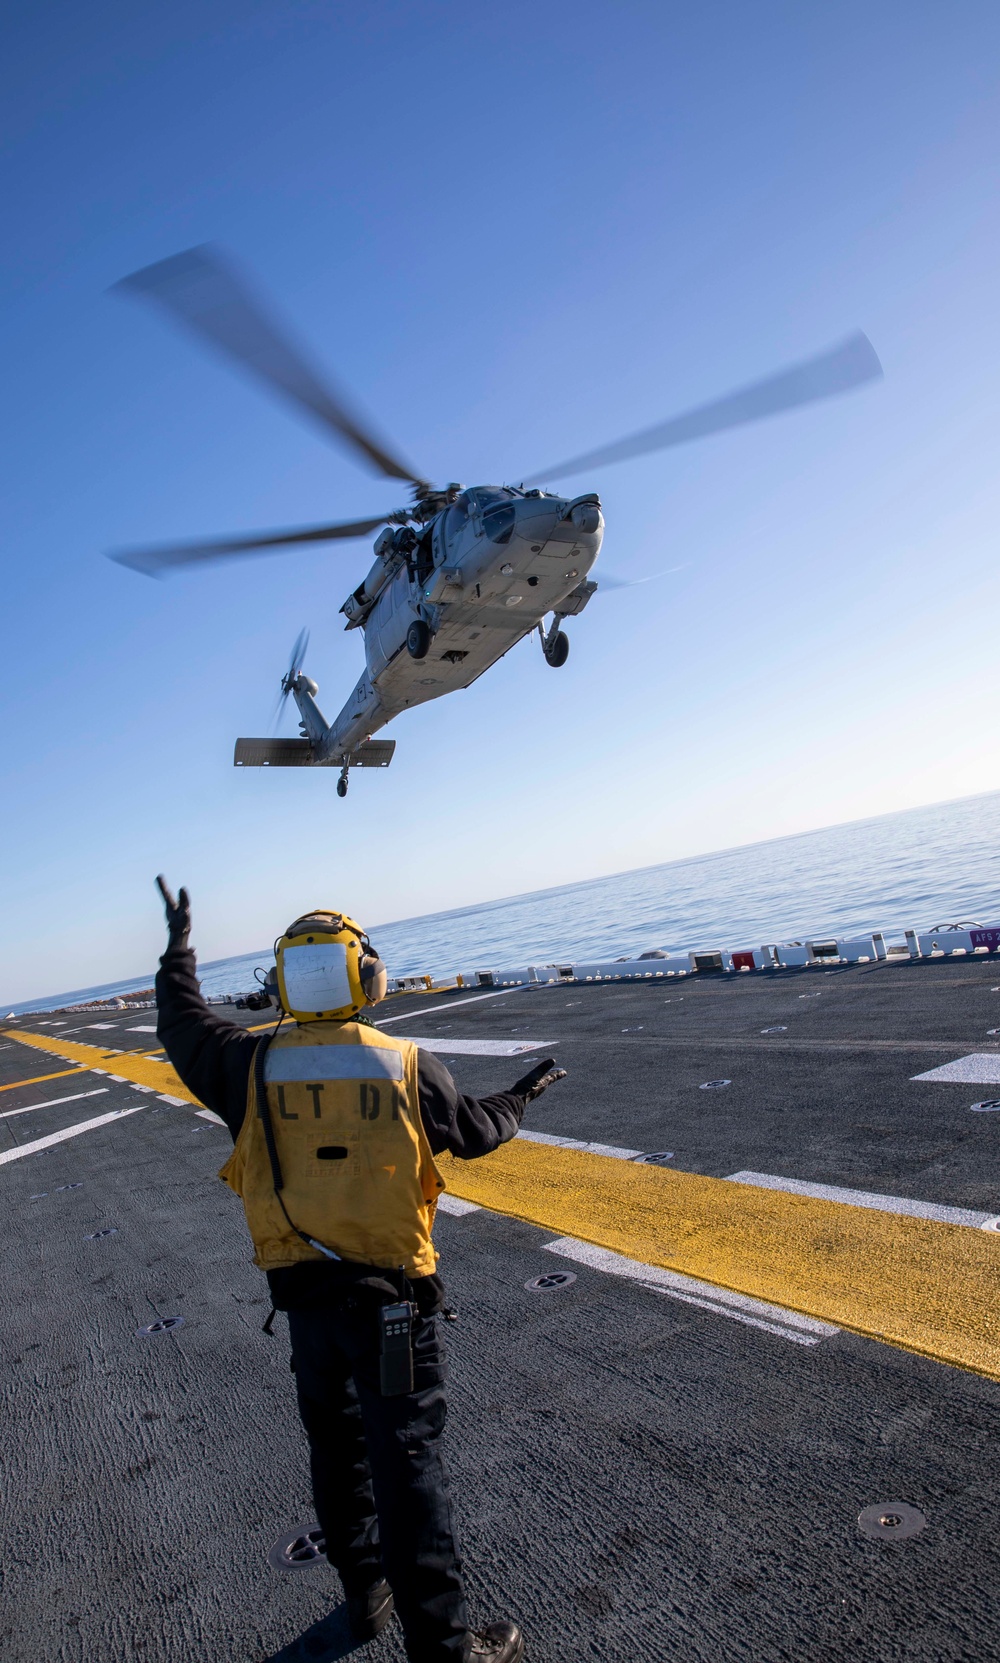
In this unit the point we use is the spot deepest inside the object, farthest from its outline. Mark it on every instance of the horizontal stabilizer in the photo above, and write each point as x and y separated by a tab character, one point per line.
273	753
298	753
374	753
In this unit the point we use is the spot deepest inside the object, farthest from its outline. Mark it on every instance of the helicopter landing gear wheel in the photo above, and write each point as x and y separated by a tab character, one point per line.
342	784
557	649
418	639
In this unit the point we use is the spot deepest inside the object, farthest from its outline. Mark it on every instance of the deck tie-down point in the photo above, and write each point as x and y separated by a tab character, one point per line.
552	1282
162	1325
891	1521
298	1548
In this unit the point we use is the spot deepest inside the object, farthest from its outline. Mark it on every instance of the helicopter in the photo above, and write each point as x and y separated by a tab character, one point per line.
460	575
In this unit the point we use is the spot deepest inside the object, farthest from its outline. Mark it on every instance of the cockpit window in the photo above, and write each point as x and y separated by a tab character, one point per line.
486	497
498	522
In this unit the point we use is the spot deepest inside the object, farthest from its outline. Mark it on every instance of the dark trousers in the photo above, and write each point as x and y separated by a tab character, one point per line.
379	1482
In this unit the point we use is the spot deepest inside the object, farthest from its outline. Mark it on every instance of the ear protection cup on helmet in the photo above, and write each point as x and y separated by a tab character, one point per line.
373	974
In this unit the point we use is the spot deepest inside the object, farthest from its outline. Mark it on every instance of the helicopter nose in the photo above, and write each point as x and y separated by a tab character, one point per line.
579	517
537	517
585	514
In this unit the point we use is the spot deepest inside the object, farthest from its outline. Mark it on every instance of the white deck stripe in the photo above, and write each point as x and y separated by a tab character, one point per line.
480	1047
575	1143
210	1114
981	1068
52	1101
737	1316
756	1313
866	1198
432	1010
454	1205
61	1137
83	1028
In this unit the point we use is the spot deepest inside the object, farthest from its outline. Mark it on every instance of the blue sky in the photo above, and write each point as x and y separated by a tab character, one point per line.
514	232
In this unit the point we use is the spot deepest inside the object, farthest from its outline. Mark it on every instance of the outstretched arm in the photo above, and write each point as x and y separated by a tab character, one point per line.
213	1057
472	1126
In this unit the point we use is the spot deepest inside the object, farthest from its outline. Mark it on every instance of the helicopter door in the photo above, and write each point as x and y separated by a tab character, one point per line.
424	555
386	630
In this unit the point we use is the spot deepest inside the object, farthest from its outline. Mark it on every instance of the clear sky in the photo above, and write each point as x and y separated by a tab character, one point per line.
515	232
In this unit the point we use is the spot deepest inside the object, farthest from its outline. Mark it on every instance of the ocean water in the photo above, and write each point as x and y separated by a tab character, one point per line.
921	868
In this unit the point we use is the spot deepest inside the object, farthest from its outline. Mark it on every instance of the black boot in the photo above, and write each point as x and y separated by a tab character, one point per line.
369	1612
500	1643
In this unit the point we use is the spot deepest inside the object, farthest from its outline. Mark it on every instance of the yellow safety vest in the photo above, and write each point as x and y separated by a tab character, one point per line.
358	1171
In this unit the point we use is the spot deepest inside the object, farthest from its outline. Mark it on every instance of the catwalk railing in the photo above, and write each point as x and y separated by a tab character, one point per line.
951	942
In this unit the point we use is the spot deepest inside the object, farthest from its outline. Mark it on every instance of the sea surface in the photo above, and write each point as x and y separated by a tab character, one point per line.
917	869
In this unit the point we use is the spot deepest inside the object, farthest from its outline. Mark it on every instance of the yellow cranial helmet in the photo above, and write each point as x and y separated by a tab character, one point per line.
327	967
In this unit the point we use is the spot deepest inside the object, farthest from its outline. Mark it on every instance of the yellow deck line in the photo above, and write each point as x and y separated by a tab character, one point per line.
130	1065
928	1287
912	1282
36	1079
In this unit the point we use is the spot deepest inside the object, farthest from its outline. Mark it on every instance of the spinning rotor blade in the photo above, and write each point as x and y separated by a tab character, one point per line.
157	561
294	666
297	659
849	365
607	580
203	292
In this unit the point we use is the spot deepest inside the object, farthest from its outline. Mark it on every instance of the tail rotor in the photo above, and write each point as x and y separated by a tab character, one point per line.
292	674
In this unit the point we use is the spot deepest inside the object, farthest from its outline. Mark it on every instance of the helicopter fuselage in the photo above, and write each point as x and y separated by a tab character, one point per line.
478	578
460	576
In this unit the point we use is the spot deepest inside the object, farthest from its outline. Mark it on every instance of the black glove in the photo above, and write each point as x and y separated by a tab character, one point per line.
178	914
541	1075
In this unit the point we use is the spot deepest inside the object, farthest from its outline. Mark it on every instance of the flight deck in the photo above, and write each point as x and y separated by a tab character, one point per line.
731	1291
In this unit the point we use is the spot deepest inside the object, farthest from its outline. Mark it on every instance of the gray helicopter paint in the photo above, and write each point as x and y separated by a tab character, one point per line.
474	618
477	611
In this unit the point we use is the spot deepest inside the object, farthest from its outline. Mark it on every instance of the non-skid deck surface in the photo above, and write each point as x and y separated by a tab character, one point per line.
664	1459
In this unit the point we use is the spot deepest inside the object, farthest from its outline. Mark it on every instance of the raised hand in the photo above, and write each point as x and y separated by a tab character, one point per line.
178	914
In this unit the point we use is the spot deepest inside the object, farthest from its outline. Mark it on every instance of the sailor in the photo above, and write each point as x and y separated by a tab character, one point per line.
336	1126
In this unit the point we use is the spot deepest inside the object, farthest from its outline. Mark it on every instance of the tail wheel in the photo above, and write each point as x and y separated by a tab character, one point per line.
557	651
342	787
418	639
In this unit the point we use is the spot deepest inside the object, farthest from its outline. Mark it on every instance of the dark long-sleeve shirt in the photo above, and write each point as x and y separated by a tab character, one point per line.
214	1057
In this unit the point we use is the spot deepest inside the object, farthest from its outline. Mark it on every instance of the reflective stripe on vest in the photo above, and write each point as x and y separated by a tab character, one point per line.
358	1173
